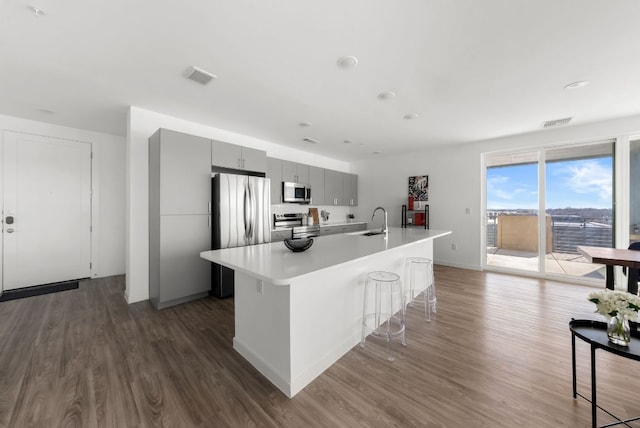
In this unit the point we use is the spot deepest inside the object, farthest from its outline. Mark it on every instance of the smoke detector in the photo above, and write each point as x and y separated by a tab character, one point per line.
199	75
556	122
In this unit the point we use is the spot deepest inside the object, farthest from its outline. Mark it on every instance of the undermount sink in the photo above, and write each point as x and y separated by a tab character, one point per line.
366	233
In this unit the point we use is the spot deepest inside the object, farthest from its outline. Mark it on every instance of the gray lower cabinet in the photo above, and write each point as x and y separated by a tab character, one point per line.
342	228
280	235
182	275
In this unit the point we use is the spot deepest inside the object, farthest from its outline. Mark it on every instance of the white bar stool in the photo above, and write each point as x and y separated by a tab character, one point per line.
420	285
383	309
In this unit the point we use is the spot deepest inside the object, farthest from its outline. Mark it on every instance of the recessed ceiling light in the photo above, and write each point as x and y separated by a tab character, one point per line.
45	110
377	153
411	116
37	10
578	84
305	124
347	62
347	141
383	96
310	140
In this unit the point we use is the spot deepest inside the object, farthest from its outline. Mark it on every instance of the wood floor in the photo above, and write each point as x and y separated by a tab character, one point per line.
497	355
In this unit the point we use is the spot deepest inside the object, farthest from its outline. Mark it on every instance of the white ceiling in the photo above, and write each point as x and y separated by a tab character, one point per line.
472	69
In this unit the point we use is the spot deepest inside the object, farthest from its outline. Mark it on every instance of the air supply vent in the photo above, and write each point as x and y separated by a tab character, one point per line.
199	75
310	140
556	122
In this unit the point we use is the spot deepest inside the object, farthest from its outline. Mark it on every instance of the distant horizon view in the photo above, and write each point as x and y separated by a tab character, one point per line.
578	185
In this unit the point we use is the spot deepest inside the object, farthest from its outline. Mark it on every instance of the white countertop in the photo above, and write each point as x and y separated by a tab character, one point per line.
275	263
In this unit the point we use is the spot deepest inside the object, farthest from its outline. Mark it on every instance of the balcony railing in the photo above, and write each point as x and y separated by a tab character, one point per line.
567	232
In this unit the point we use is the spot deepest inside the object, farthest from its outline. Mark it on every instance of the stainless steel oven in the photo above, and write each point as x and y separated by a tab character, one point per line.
296	193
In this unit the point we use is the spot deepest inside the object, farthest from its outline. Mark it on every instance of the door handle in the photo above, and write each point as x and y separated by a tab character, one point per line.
9	230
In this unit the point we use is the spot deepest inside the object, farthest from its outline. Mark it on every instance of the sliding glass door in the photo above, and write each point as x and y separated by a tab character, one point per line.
512	211
579	207
634	192
572	186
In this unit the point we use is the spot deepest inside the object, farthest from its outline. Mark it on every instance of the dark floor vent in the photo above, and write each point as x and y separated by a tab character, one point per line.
37	290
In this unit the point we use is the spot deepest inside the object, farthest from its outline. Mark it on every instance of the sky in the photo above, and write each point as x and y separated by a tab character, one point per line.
584	183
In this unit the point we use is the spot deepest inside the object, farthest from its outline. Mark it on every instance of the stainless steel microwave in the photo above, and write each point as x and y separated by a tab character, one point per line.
296	193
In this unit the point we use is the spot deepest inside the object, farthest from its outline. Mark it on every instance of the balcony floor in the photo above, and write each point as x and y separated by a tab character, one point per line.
555	263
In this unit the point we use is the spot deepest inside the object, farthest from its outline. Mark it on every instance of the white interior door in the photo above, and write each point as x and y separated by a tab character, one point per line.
46	210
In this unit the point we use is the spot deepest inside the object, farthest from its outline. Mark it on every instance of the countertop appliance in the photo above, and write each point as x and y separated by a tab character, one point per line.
241	211
295	222
287	220
296	193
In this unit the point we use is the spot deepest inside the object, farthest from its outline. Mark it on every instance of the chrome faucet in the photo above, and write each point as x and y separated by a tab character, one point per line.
385	229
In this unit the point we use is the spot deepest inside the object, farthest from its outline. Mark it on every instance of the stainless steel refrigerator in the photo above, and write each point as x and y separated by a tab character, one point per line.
241	213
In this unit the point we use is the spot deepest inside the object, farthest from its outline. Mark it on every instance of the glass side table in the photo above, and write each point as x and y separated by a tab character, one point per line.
595	334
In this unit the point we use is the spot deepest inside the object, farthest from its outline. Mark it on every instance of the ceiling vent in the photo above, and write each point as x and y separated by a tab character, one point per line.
310	140
199	75
556	122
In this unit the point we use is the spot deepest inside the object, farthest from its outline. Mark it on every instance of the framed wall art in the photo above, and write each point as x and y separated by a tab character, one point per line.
418	191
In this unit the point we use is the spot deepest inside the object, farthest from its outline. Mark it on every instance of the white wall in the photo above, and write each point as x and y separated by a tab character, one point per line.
141	125
455	183
108	181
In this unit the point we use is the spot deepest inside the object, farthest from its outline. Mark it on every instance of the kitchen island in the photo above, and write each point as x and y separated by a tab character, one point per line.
298	313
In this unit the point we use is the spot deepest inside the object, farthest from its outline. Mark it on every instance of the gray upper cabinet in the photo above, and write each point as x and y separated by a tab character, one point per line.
295	172
274	172
237	157
316	181
333	187
180	172
225	155
350	189
254	159
328	187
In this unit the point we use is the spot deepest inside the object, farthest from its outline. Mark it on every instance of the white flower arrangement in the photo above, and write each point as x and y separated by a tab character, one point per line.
616	303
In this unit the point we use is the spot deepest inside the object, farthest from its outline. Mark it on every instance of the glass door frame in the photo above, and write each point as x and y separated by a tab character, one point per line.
620	195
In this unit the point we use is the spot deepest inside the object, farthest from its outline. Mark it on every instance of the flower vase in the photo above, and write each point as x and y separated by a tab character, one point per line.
618	330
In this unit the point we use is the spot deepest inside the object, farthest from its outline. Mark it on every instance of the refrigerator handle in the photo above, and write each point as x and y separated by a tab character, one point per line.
251	203
247	212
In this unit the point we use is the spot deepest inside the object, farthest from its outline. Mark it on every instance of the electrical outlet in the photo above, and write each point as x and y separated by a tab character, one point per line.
467	210
454	247
260	286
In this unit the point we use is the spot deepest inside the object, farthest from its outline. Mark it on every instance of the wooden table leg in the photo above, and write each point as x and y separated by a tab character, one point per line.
610	277
632	280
